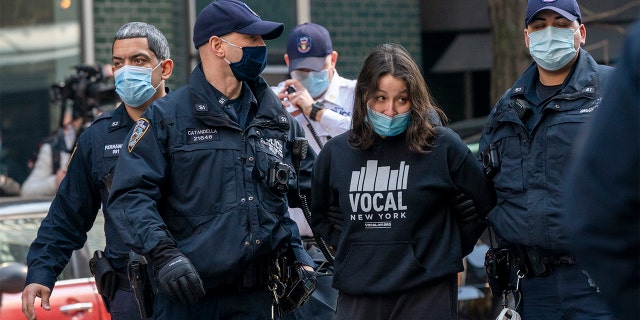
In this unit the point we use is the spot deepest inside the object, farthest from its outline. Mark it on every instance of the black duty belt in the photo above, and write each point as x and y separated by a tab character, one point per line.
122	282
541	262
561	259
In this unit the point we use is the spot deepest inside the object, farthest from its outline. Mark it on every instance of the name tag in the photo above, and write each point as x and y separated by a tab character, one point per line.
202	135
112	150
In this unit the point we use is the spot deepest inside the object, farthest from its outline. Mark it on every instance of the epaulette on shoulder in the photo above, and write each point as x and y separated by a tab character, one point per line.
104	115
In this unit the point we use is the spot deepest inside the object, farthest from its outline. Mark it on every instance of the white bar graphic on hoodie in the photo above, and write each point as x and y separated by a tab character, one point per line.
374	178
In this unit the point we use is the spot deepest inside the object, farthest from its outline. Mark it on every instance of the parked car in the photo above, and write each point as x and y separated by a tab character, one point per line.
470	131
75	295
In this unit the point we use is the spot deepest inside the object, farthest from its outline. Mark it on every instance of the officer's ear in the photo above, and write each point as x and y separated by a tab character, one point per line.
215	45
167	69
334	58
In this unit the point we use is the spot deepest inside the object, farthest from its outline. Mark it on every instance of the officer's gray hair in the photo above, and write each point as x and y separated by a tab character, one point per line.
157	41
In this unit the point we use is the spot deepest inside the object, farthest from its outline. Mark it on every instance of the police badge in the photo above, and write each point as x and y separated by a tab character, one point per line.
138	131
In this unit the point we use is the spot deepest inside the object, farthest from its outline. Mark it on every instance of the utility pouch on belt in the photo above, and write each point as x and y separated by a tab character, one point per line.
139	278
498	265
105	276
537	261
291	283
300	286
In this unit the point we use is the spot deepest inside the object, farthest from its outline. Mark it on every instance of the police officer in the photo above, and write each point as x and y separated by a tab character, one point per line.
141	63
323	99
526	145
201	186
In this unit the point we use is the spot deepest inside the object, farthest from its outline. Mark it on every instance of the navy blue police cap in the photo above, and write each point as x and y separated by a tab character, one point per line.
225	16
567	8
308	46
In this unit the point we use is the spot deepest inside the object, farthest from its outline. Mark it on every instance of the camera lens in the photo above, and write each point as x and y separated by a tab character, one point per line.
282	176
486	159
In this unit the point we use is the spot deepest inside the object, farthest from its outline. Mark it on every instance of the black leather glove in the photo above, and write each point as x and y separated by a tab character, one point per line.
465	209
335	216
465	212
175	274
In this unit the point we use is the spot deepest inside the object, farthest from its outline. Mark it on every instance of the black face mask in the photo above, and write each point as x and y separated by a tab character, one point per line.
253	62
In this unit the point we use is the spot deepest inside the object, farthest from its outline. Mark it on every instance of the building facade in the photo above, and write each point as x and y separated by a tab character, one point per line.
42	40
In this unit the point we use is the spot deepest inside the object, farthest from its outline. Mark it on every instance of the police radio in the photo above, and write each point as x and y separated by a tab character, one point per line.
299	153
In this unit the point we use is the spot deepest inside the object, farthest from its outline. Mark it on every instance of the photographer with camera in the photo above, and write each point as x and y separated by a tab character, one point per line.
80	97
322	100
49	167
203	184
316	95
141	64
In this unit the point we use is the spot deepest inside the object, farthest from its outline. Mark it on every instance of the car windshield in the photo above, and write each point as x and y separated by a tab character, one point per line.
19	225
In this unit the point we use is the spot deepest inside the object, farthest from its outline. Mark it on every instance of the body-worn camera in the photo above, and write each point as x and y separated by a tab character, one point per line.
490	161
278	177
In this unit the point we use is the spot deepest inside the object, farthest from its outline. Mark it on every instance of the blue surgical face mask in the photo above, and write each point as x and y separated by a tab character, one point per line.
253	62
133	85
388	126
552	48
316	82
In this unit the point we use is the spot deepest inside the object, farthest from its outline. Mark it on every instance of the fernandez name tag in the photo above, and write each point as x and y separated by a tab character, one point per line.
112	150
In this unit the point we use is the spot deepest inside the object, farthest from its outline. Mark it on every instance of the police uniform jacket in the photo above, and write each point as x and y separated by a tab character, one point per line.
192	174
81	193
529	183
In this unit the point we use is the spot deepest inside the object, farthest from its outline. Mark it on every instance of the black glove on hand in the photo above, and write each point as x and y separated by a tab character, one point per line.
335	216
467	216
464	208
175	274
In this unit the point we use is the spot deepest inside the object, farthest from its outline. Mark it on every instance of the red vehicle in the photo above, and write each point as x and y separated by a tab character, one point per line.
75	295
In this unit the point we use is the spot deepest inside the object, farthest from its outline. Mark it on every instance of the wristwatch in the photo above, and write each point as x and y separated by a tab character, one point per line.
315	107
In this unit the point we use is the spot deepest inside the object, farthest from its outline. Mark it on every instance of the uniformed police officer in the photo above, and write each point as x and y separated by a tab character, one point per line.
526	146
201	186
323	100
141	64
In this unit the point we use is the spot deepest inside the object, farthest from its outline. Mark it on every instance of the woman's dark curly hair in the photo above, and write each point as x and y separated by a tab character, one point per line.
394	60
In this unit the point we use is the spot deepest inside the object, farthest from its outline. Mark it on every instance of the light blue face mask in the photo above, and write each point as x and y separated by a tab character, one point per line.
133	85
316	82
388	126
552	48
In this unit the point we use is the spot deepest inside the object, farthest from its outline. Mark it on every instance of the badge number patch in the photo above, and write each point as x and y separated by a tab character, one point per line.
138	132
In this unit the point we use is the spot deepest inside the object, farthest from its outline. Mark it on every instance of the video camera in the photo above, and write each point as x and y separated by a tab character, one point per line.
85	92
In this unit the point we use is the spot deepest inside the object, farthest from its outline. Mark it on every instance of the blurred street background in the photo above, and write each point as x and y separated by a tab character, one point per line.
470	50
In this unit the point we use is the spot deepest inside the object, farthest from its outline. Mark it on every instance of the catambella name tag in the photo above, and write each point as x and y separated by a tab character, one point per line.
202	135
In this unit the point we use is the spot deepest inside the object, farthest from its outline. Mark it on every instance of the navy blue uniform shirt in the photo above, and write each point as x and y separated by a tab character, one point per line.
80	195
